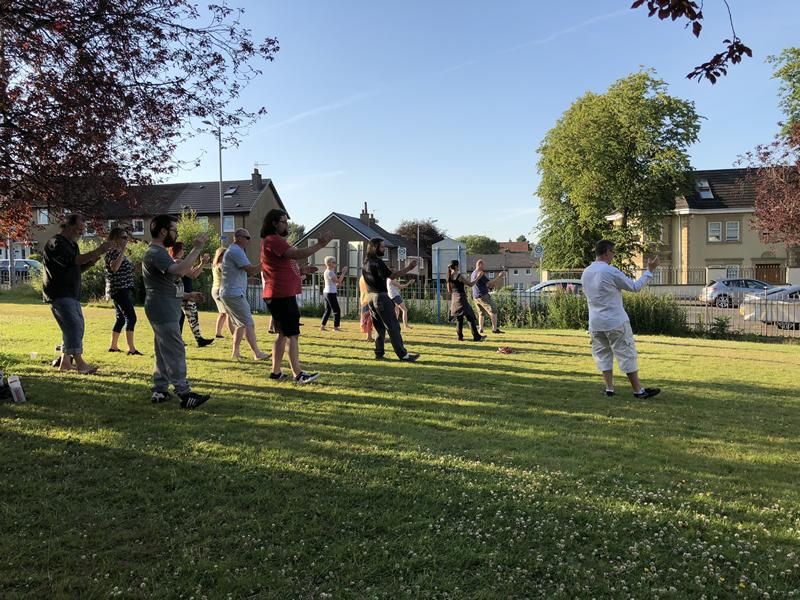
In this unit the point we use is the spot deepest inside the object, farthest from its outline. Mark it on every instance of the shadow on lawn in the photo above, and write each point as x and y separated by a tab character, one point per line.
303	490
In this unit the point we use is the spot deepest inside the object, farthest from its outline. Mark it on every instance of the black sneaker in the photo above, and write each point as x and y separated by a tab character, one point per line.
410	357
497	331
480	338
609	393
279	376
305	378
379	357
219	337
647	393
192	400
201	342
159	397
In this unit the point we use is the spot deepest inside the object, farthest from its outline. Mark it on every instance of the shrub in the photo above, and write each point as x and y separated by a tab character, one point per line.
654	314
567	311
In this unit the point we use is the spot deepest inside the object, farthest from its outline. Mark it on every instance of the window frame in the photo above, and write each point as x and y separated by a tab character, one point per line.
708	232
39	213
225	218
133	226
738	237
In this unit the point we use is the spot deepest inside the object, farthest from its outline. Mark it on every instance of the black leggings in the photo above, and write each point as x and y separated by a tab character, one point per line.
126	315
331	306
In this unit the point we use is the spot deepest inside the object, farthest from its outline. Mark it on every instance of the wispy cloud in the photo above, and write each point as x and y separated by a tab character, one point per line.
360	96
313	112
304	181
518	213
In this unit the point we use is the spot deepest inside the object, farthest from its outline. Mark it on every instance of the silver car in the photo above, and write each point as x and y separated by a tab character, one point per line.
729	293
780	307
544	290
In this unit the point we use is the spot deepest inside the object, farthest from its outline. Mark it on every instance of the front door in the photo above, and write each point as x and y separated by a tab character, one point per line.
773	273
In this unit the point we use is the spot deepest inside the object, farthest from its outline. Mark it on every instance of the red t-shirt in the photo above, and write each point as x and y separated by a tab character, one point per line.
281	274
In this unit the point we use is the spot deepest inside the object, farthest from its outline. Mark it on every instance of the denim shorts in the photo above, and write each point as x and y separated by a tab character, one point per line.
69	317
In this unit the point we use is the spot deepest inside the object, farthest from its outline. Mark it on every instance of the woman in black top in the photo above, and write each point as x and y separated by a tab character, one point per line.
119	287
459	304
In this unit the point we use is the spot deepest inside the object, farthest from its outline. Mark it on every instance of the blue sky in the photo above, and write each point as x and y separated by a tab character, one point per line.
435	109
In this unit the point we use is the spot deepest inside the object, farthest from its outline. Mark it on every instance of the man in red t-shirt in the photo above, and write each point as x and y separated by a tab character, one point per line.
282	283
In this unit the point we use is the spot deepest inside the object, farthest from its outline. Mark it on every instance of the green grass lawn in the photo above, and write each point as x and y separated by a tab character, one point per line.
467	475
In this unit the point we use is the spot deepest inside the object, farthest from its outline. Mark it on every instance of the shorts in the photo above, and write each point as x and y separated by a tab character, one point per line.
619	343
398	300
486	304
285	315
218	301
238	310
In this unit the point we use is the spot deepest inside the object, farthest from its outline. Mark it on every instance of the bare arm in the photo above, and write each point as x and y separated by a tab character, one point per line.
299	253
496	281
403	286
185	267
466	280
84	261
409	267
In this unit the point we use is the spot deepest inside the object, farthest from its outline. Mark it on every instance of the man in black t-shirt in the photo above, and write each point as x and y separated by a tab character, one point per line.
61	288
381	306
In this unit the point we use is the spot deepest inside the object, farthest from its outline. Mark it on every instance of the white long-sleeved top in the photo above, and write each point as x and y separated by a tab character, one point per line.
603	286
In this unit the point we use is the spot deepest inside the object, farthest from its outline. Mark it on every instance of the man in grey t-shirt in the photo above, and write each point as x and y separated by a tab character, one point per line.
233	293
162	305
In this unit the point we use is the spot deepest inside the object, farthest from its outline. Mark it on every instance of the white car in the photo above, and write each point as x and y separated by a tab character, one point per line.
541	292
779	306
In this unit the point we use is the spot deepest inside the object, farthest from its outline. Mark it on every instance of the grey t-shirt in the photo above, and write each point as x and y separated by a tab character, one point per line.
164	291
234	277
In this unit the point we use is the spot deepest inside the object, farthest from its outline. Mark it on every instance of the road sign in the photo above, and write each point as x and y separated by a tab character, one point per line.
401	253
538	251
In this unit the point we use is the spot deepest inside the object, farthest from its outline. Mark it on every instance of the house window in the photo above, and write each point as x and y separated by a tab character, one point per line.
731	271
715	231
527	271
231	190
42	217
89	230
516	272
112	223
203	221
732	231
229	224
137	226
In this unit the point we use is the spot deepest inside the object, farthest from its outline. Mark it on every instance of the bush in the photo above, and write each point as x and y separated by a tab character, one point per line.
652	314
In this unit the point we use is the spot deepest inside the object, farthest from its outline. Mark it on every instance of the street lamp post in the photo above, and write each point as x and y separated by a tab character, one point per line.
221	212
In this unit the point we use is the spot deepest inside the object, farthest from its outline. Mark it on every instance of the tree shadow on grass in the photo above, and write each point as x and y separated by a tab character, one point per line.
293	498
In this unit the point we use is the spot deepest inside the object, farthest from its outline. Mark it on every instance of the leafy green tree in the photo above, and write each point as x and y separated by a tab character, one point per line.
189	227
522	238
787	70
296	231
479	244
621	152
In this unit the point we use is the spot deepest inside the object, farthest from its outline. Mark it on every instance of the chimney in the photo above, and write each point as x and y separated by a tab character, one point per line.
256	179
364	217
372	220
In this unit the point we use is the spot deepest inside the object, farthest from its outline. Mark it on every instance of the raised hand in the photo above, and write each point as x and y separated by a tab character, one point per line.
200	240
652	263
326	237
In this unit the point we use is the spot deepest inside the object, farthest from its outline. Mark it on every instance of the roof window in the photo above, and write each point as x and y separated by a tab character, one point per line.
704	189
231	190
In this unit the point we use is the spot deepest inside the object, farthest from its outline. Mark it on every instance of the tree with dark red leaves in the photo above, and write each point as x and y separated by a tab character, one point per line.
715	67
96	94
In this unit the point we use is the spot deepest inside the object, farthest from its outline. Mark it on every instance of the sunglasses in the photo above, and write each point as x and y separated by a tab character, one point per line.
247	237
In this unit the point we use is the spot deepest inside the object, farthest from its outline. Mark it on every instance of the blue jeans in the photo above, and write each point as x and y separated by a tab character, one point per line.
69	317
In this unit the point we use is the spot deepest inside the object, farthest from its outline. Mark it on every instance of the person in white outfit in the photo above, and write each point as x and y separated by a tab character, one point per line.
609	325
332	282
401	308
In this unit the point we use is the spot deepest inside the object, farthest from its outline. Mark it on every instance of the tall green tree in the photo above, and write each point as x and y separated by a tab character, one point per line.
480	244
620	152
296	231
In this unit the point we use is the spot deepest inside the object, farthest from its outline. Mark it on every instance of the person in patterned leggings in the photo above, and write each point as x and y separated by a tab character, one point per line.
188	307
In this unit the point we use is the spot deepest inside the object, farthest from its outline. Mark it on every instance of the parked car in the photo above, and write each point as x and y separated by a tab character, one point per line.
23	268
729	293
542	291
780	307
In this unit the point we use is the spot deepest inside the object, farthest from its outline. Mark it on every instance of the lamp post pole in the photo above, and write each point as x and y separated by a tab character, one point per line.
221	212
419	287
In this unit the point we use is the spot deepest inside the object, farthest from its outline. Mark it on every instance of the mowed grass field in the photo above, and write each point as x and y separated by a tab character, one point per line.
467	475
